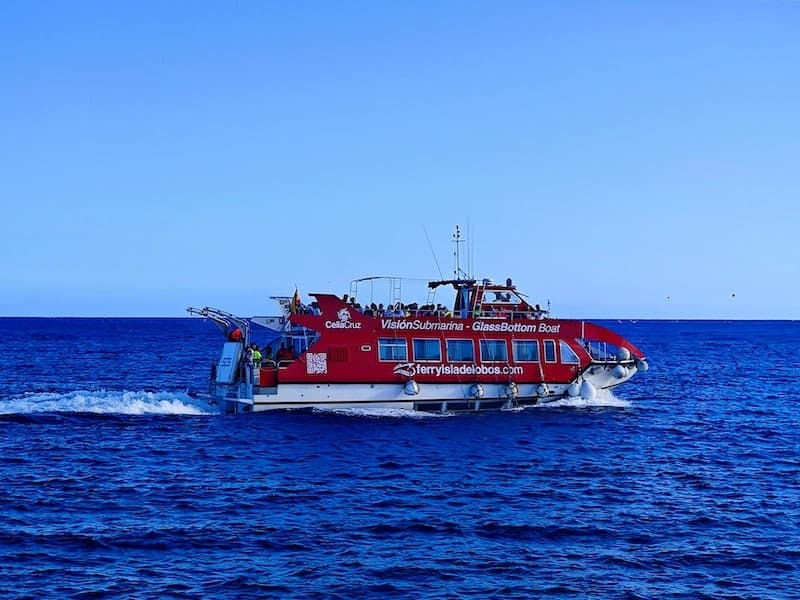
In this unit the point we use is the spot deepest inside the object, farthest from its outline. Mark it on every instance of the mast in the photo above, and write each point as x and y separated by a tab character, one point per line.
457	272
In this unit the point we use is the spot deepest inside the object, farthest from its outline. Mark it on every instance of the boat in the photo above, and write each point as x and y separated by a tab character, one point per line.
488	349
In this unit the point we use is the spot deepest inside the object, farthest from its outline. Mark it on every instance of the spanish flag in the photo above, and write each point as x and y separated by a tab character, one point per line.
295	304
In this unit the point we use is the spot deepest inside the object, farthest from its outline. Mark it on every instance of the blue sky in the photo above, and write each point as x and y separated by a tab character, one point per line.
620	159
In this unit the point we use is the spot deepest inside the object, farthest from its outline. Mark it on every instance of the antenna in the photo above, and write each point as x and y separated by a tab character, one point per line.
435	260
470	253
457	273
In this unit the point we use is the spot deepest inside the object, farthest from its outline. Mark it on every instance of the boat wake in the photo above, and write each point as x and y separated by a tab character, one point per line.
106	402
604	398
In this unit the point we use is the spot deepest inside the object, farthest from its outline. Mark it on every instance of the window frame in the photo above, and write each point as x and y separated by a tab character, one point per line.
393	343
427	341
460	360
494	360
535	344
561	346
553	345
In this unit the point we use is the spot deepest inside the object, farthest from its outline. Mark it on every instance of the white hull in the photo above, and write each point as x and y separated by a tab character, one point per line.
429	396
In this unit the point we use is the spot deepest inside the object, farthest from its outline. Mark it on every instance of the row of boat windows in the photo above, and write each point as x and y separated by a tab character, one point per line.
425	349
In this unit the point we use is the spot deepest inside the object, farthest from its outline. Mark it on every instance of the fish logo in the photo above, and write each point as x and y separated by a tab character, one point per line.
406	369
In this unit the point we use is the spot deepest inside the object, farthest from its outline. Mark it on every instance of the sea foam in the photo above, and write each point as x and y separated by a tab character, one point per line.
105	402
604	398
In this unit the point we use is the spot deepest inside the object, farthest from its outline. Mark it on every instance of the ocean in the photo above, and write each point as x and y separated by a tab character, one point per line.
117	483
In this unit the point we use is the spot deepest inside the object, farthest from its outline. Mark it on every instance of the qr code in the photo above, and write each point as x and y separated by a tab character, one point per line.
316	364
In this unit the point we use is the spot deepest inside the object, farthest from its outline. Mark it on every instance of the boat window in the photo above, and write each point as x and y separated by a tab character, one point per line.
392	349
460	351
600	351
568	355
526	350
493	296
493	351
549	351
427	350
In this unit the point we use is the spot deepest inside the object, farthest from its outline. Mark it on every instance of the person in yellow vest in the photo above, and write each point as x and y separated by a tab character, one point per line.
256	356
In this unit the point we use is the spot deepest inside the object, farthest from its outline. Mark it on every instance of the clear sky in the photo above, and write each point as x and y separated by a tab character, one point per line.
620	159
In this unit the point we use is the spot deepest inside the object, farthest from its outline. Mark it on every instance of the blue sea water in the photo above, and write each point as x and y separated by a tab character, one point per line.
116	483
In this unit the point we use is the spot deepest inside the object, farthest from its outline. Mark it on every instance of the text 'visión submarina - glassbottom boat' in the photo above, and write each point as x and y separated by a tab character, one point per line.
490	350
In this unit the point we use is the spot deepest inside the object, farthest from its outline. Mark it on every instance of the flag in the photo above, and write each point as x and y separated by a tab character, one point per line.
295	305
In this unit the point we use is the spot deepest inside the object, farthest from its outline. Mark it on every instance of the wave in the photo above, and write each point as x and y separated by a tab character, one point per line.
604	398
175	403
106	402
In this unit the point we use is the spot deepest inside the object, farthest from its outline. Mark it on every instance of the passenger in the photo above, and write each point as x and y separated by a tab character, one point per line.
256	357
247	365
267	356
381	311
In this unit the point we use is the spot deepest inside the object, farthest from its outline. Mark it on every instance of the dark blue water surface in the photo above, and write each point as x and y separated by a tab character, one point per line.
117	484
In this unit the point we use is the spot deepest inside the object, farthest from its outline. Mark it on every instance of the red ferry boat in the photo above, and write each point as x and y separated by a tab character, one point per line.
490	349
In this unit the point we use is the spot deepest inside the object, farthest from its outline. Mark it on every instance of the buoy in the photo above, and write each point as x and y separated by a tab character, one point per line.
476	391
511	390
411	388
642	365
588	391
574	390
619	371
623	354
543	390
